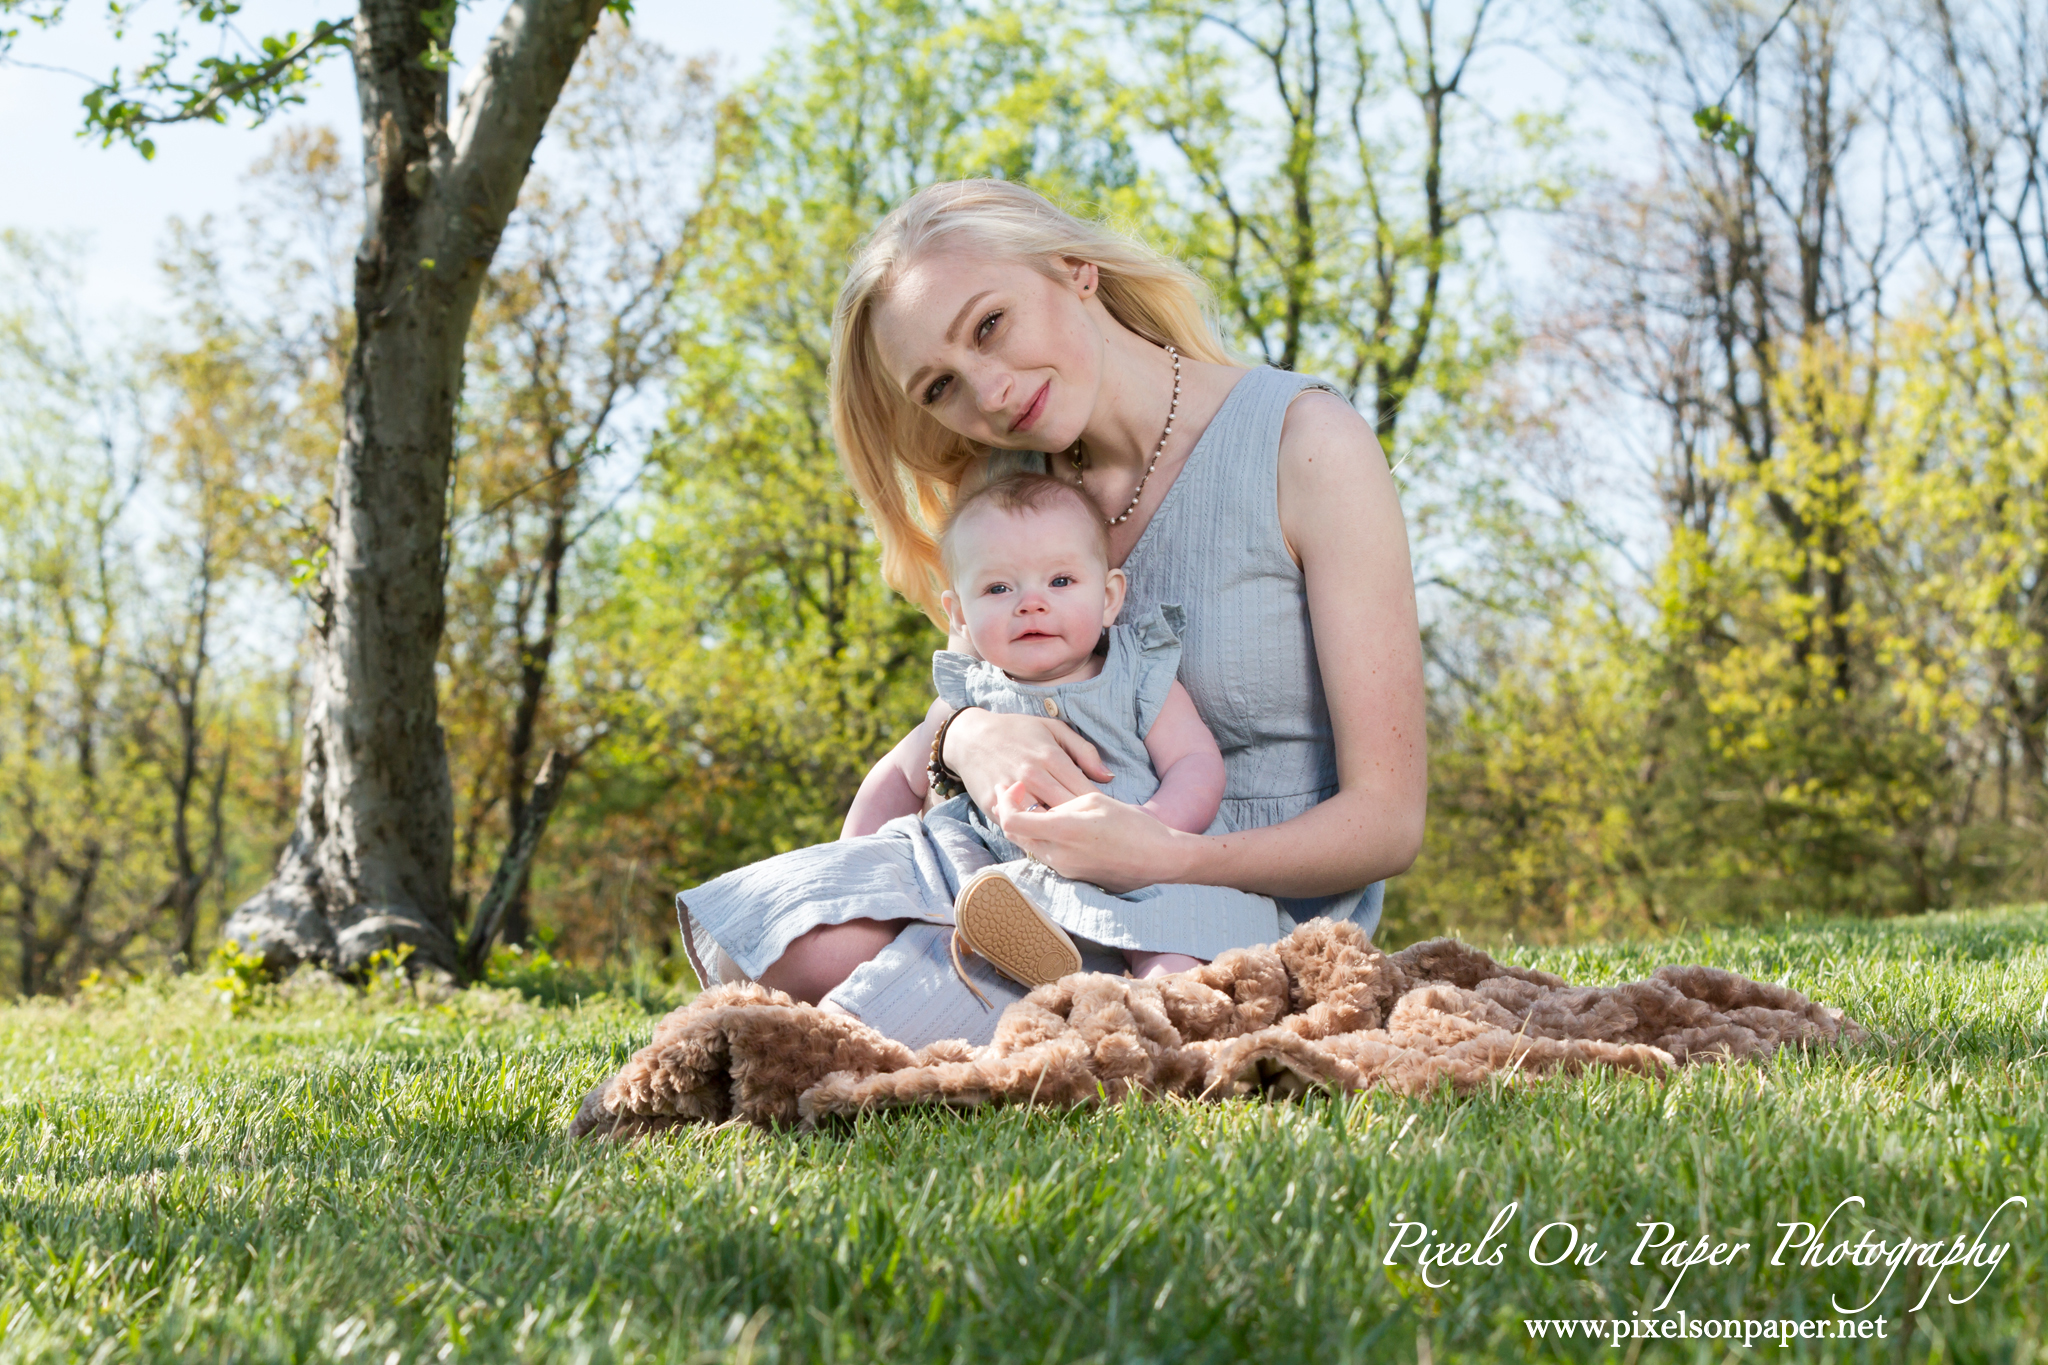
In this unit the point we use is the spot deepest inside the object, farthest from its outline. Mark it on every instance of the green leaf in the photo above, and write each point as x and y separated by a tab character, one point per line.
1720	127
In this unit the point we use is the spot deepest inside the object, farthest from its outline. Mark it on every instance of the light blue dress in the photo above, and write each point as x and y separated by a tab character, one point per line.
1248	659
1248	656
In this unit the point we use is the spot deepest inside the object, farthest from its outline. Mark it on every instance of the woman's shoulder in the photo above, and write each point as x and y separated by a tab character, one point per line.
1289	415
1319	413
1332	469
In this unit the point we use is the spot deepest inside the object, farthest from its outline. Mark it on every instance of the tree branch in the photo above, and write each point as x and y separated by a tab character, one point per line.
499	117
512	868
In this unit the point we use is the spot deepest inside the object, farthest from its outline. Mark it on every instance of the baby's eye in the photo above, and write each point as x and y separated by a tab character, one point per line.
935	389
994	588
988	324
1063	580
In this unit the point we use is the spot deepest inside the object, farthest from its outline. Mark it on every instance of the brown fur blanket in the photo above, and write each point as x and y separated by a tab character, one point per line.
1321	1008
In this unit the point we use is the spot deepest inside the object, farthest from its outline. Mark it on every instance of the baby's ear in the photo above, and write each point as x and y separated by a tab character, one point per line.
1114	602
956	619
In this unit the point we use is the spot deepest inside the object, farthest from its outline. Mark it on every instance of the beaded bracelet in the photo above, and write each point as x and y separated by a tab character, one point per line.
945	783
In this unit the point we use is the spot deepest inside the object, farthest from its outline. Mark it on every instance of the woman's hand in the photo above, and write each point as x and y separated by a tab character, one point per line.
1096	838
1008	762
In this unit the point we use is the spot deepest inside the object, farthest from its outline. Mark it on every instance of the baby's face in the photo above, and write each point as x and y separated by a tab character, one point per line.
1031	591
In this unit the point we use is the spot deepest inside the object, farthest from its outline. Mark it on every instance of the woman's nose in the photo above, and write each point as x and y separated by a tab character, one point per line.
992	390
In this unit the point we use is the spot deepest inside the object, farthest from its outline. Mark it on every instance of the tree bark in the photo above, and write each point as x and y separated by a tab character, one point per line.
534	658
510	879
369	859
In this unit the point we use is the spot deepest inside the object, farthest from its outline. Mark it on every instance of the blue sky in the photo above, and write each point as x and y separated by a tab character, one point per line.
51	181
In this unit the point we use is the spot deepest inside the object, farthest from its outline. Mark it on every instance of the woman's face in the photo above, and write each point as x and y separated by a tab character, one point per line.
993	349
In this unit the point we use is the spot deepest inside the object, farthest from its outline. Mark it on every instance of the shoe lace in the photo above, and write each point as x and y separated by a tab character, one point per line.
961	971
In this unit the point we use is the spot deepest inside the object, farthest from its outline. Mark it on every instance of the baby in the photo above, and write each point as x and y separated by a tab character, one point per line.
1033	593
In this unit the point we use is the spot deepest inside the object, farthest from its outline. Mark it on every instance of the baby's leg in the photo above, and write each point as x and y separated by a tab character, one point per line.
818	960
1145	965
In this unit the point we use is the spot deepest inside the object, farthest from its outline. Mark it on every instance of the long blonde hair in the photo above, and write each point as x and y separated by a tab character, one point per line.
908	468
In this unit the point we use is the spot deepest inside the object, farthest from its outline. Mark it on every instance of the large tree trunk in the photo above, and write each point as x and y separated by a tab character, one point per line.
368	862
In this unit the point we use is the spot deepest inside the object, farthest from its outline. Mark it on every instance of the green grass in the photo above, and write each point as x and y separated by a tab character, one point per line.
365	1178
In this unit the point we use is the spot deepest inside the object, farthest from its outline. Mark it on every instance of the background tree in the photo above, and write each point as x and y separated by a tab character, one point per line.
577	320
1986	150
1773	307
1754	323
139	733
1336	168
71	469
370	859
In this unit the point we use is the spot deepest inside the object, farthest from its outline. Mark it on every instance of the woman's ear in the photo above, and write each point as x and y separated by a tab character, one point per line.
1085	276
1114	603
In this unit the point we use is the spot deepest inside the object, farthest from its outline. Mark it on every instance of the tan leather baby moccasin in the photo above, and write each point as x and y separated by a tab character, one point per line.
996	920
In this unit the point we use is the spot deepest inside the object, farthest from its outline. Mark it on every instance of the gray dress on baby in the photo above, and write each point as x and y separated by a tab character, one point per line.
1214	546
1114	711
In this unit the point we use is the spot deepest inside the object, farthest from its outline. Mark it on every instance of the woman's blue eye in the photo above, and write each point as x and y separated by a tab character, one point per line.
938	387
987	325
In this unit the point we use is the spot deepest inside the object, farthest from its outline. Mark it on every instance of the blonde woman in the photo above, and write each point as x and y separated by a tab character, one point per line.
983	330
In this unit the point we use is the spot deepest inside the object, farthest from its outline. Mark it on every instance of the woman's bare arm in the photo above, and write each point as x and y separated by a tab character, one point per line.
1342	519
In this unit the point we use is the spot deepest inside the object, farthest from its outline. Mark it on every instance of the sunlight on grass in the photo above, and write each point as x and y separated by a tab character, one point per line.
341	1176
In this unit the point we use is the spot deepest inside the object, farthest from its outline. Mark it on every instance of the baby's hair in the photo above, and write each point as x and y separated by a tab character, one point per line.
1026	492
908	468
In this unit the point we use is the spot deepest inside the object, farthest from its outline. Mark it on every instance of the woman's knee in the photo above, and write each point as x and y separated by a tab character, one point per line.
817	961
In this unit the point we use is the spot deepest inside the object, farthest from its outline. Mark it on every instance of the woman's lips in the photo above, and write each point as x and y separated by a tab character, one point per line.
1033	408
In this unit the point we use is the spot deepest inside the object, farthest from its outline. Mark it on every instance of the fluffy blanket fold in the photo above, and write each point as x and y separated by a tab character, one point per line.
1320	1008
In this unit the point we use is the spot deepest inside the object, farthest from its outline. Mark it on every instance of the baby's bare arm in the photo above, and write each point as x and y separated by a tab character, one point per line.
896	785
1189	764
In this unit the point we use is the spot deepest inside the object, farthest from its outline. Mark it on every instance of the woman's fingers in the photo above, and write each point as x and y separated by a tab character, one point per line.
1029	796
1052	772
1023	798
1085	758
1094	838
993	753
1061	777
1029	818
1025	821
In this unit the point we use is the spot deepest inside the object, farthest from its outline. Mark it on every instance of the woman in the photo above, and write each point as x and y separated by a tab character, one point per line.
979	328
